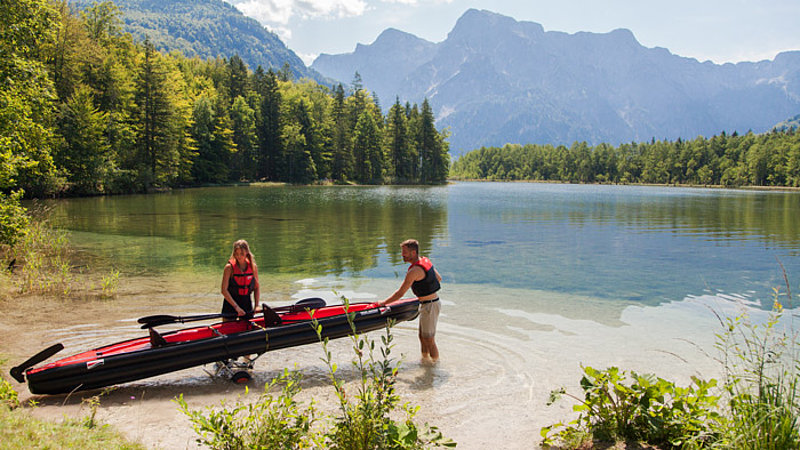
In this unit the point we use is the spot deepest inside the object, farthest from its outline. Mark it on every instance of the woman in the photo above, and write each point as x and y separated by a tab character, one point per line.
239	281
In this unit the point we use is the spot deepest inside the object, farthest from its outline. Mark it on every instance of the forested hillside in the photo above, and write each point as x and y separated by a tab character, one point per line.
86	110
770	159
495	80
206	28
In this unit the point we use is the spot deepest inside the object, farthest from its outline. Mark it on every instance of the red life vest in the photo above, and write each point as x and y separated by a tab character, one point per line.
242	282
430	283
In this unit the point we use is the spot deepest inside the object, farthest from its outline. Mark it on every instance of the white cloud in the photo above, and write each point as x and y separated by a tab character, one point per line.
279	12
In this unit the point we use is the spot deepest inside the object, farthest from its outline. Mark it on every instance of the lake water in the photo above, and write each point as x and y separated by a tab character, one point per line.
538	279
646	245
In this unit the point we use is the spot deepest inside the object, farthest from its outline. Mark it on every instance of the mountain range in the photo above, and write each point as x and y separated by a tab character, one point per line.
207	29
495	80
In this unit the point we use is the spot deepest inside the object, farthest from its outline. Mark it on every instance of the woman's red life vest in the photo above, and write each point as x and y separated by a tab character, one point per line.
242	282
430	283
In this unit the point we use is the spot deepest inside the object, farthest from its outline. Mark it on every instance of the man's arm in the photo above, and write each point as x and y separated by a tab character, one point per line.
411	276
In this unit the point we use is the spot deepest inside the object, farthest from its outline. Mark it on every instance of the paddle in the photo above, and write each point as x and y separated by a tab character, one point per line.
16	372
163	319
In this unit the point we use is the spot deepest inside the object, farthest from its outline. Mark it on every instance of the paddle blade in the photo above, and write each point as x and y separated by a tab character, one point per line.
17	371
158	318
309	303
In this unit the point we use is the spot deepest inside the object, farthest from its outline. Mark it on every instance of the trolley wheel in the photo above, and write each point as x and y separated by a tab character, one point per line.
241	376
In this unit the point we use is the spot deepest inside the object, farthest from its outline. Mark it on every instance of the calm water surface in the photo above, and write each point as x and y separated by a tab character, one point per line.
632	244
539	279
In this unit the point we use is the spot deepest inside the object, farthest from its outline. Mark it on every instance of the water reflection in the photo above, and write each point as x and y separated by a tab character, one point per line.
312	230
645	245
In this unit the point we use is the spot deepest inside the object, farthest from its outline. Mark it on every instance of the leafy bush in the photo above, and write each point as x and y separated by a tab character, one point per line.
761	381
8	396
270	423
13	218
643	408
365	421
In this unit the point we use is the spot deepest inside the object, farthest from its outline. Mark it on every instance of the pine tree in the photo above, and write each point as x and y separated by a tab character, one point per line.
367	150
157	133
84	152
243	121
269	132
342	169
400	162
433	150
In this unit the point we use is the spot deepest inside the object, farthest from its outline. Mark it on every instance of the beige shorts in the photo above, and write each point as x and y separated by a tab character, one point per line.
428	316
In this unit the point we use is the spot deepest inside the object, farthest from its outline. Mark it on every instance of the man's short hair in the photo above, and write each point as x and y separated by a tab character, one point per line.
411	244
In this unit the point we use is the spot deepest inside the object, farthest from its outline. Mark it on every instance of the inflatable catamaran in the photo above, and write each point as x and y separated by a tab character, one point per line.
158	353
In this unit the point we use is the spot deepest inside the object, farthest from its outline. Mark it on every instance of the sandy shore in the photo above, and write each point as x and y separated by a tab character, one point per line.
499	363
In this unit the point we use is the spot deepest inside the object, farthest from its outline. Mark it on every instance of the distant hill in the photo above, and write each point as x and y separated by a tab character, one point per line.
207	28
793	123
495	80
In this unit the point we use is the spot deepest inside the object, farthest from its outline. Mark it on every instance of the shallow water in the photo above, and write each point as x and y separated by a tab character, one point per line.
538	280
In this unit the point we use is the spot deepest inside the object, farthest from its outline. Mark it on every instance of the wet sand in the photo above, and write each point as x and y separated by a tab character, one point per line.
501	355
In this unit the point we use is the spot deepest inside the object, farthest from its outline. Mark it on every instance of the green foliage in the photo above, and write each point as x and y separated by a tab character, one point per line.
84	110
43	259
770	159
641	408
13	219
761	363
270	423
18	429
366	420
8	396
109	283
27	29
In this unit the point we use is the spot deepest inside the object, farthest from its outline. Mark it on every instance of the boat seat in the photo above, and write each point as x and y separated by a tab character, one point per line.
156	340
271	318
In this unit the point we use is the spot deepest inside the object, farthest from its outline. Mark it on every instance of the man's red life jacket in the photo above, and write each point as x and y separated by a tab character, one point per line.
430	283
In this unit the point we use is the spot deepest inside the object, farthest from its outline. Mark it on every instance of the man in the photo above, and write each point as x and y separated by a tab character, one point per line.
423	280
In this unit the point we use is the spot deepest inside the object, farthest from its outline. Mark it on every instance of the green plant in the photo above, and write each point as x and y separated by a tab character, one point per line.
761	381
270	423
13	218
93	402
110	282
645	408
8	396
42	255
365	421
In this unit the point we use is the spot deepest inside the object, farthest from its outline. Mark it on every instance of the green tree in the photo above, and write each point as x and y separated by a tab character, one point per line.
300	166
269	127
159	123
26	96
367	150
401	161
342	144
243	121
84	152
211	131
434	160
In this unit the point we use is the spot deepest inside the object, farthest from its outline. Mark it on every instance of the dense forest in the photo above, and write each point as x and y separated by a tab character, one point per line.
107	115
770	159
86	110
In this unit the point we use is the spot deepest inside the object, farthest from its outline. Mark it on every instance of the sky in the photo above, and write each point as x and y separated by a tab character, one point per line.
717	30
